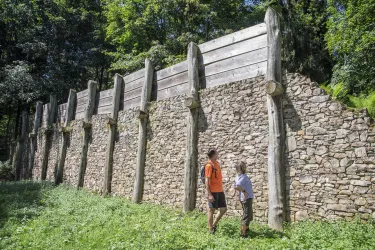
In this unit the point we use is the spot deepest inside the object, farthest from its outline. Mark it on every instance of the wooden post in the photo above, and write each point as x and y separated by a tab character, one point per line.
274	89
112	123
192	103
21	145
142	140
65	130
89	111
33	138
52	106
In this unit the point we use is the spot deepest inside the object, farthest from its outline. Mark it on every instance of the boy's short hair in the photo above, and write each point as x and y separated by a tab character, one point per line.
211	152
241	167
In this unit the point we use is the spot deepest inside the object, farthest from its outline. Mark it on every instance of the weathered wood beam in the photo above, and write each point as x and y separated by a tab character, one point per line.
276	185
142	137
86	125
51	112
33	138
21	145
192	103
274	88
112	132
65	130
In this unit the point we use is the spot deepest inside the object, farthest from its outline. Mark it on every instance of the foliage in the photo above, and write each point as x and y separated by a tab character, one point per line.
303	29
351	42
363	101
41	216
340	92
161	30
6	171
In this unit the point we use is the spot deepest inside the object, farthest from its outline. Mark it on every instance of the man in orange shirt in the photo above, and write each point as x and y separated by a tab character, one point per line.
214	188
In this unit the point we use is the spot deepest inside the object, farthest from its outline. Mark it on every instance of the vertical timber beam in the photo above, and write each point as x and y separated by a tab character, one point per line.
51	112
112	123
142	137
21	145
65	130
274	90
89	111
192	103
33	138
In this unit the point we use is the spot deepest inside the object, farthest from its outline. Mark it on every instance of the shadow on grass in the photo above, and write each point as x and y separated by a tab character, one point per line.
256	231
20	200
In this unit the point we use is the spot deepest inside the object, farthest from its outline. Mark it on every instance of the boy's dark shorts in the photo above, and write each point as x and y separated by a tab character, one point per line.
219	200
247	212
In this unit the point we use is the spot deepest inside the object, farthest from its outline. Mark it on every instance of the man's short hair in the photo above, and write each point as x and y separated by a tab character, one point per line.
211	152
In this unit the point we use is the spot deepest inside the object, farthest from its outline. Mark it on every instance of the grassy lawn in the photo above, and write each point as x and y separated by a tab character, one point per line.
41	216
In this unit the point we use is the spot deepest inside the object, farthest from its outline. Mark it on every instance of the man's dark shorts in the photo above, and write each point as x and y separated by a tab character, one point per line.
219	200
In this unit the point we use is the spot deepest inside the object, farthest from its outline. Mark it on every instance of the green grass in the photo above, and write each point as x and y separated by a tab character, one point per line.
41	216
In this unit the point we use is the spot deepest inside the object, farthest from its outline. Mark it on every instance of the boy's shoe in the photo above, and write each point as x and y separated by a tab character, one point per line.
244	231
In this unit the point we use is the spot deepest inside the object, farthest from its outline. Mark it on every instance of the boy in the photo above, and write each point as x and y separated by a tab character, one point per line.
244	186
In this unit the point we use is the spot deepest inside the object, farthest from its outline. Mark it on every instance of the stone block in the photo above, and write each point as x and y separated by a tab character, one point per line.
306	179
301	215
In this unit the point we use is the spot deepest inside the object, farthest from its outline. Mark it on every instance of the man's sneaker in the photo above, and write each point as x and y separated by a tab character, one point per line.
213	230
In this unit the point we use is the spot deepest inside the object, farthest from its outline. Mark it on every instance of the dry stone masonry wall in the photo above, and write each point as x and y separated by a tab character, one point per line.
166	143
94	177
233	119
329	157
73	157
125	153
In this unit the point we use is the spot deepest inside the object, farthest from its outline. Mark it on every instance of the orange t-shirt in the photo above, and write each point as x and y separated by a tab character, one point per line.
216	183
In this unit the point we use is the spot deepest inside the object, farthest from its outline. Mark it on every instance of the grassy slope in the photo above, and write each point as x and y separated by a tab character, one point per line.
40	216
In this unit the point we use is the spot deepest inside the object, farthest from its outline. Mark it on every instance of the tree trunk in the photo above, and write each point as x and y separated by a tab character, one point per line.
112	122
192	103
276	185
33	138
142	137
65	135
90	106
21	146
51	112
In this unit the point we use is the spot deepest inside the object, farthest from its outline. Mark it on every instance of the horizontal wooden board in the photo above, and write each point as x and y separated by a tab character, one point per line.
80	108
105	101
231	63
170	71
82	101
234	50
235	75
134	84
134	76
136	102
132	94
173	91
235	37
82	93
172	81
105	93
104	110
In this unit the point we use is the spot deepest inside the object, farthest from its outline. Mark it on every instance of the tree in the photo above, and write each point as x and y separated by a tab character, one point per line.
351	42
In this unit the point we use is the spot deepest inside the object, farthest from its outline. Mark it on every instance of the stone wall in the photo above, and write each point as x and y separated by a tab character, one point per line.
125	153
73	153
54	154
94	176
166	143
330	158
329	161
233	119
